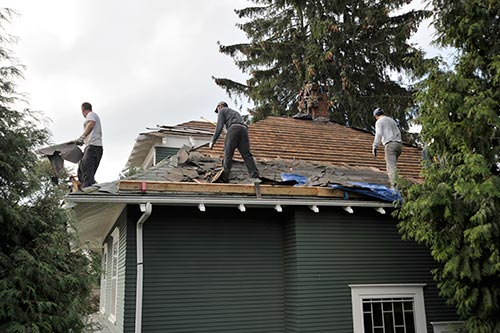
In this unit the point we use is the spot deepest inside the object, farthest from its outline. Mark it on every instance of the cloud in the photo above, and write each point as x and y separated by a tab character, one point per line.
139	63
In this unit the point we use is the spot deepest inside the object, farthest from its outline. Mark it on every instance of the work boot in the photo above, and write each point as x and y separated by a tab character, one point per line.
224	178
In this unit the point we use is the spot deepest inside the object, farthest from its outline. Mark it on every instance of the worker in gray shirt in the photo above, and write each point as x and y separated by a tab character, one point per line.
236	137
387	132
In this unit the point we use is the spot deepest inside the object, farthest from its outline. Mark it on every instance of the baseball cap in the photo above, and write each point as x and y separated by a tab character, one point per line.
378	112
220	103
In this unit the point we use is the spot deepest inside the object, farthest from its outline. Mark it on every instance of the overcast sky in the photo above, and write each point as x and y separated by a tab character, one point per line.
140	64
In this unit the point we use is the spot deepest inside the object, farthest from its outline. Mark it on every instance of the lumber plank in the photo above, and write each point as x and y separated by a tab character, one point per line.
163	186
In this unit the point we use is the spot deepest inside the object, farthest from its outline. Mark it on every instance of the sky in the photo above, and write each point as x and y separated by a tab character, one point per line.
139	63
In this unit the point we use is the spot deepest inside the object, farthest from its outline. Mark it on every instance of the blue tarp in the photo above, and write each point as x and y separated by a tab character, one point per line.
378	191
373	190
301	180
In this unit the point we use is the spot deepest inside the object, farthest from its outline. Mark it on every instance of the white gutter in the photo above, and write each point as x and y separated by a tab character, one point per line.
146	210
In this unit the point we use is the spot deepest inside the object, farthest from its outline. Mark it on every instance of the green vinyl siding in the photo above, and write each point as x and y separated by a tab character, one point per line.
261	271
214	271
335	249
162	153
134	214
290	274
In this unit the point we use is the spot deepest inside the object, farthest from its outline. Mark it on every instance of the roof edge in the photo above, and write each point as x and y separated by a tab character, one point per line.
227	201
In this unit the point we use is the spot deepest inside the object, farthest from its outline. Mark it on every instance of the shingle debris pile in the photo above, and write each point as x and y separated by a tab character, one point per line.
192	166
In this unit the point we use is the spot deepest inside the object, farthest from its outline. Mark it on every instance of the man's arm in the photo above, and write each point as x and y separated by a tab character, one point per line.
221	119
377	139
89	126
378	135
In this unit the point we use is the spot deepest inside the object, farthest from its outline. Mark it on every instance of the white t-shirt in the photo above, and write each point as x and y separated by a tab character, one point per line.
95	136
386	130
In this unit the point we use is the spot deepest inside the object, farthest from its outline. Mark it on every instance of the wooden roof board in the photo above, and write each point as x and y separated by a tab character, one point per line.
308	140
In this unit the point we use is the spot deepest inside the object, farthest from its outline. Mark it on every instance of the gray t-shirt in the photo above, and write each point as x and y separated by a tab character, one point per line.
95	136
386	130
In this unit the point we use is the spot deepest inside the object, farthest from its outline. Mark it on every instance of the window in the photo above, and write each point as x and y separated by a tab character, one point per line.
162	153
114	274
104	268
388	308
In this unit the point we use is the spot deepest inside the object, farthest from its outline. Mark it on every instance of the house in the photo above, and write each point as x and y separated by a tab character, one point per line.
182	254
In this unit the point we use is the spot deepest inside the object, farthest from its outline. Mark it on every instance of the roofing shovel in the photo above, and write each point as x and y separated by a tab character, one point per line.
201	145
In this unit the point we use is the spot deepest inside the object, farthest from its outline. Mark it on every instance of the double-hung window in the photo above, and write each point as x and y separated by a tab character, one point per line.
104	272
114	274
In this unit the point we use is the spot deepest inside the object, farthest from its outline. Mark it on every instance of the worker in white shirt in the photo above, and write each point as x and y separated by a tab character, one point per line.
387	132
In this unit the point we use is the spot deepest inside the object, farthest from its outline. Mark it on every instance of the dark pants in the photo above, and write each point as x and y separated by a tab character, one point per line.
88	165
237	137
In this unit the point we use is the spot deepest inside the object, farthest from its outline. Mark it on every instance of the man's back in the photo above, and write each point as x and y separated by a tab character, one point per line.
227	117
386	130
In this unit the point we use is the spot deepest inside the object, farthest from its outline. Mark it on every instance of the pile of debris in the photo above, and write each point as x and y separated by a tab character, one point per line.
191	166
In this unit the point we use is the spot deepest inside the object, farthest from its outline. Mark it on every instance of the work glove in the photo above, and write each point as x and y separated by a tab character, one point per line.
211	145
374	151
79	141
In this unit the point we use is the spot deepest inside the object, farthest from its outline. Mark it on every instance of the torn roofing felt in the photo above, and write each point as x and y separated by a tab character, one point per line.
57	154
193	167
323	142
327	143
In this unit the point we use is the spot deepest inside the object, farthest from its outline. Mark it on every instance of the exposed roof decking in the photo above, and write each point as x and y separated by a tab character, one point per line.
307	140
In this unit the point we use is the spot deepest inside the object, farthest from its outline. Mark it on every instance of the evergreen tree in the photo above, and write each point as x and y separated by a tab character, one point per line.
349	47
456	211
44	284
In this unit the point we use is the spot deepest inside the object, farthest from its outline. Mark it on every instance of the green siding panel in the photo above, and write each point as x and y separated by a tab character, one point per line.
131	270
261	271
290	273
335	249
217	271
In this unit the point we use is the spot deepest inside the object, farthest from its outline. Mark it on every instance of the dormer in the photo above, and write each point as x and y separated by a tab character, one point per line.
164	141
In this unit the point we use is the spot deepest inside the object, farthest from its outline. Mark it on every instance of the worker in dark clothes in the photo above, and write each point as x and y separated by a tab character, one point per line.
92	138
236	137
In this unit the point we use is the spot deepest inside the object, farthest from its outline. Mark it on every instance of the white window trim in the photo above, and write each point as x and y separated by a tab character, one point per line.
116	240
363	291
103	288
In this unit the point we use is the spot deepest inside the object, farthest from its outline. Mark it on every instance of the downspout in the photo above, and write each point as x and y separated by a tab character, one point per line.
146	212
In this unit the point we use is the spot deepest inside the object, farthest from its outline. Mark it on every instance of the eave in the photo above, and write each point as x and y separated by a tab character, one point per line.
97	213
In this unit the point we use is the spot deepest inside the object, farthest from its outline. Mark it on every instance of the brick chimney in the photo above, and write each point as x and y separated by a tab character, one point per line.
320	111
312	103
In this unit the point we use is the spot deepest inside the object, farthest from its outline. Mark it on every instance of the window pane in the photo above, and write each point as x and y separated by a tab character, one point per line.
366	307
379	330
410	322
377	314
367	321
400	330
408	306
388	323
387	306
398	313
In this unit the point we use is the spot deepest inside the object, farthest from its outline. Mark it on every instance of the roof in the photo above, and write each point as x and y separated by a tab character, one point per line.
332	160
297	139
306	140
